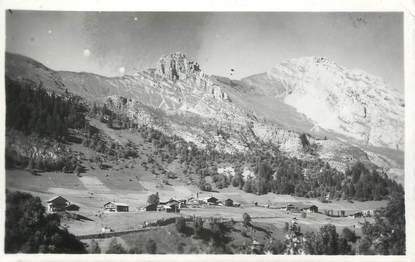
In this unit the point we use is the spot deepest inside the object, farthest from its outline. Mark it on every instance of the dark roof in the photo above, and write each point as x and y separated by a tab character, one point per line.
212	198
116	203
300	205
308	206
57	198
171	200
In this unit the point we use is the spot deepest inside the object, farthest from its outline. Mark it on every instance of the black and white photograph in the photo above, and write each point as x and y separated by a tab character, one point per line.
204	132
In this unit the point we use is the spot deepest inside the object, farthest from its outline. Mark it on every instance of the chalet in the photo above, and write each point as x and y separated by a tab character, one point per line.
229	202
357	214
309	208
290	207
182	203
57	204
171	201
161	207
194	202
211	200
169	208
174	208
116	207
368	213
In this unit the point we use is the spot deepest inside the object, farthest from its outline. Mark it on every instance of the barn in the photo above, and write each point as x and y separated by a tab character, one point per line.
310	208
194	202
116	207
229	202
173	208
211	200
290	207
171	201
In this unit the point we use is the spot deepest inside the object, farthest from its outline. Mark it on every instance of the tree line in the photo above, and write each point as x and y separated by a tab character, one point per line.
273	171
30	230
30	108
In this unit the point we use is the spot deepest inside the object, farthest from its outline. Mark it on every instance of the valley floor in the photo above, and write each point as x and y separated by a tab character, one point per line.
93	190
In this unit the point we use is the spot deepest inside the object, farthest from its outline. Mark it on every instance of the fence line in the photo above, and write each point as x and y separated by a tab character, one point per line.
113	234
150	226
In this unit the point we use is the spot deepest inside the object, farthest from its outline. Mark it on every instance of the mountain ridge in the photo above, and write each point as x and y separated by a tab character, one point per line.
184	96
349	102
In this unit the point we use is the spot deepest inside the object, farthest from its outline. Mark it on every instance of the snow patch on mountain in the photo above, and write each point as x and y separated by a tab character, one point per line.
349	102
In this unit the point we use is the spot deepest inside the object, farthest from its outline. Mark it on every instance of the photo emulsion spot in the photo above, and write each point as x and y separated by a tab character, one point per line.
278	133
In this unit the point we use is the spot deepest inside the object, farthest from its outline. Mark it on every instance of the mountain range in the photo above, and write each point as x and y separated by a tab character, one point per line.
347	115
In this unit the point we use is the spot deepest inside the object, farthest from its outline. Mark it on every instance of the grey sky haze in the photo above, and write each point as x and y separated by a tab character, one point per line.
115	43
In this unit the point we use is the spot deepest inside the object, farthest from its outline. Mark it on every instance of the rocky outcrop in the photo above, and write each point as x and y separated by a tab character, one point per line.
46	152
177	98
177	66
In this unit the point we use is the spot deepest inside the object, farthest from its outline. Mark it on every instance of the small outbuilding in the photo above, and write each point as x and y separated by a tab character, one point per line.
116	207
211	200
171	202
357	214
311	209
229	202
194	202
72	207
182	203
174	208
290	207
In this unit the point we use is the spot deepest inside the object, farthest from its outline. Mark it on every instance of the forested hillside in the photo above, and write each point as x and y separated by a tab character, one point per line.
31	109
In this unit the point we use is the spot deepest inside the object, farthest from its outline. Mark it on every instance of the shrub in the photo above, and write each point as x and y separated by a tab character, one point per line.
198	226
275	247
153	199
286	226
349	235
29	230
135	250
246	219
94	247
180	224
304	140
151	246
115	248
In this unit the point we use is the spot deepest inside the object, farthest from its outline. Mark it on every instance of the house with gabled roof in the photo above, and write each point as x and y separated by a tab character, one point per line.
211	200
116	207
57	203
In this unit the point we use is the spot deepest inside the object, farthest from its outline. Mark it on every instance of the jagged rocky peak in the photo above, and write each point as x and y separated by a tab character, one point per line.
178	66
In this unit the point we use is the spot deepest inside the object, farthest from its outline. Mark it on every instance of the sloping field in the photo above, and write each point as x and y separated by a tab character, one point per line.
94	189
26	181
94	184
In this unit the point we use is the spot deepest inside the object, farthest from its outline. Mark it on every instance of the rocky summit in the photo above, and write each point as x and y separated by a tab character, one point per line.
177	66
349	102
343	112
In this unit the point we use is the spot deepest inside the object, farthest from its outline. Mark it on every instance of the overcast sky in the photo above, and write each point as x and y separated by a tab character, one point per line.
113	44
